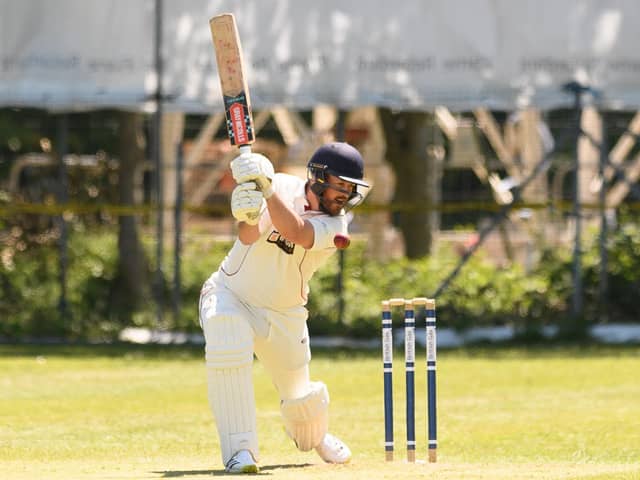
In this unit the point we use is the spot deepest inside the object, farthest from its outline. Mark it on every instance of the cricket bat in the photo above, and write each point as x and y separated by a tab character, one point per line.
235	93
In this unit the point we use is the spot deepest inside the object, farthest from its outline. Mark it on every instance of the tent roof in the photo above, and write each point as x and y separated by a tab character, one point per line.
414	54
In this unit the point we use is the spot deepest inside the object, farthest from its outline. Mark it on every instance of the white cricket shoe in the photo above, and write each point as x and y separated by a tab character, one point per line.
333	450
241	462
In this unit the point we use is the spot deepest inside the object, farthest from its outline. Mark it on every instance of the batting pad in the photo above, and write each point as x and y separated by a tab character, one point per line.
229	358
306	419
229	341
232	402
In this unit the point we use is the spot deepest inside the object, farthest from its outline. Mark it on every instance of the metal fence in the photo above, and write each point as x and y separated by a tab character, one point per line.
69	188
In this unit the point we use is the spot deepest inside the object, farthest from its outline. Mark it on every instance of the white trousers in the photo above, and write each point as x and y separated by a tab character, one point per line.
234	332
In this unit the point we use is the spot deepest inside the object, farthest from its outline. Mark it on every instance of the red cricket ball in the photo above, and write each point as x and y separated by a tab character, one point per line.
341	241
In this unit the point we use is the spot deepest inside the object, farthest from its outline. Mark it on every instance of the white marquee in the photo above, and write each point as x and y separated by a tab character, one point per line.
408	54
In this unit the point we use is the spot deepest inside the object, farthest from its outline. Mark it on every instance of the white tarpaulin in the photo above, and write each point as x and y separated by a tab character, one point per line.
407	54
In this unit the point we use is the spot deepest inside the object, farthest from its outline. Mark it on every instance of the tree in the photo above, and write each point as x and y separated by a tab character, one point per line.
414	152
133	266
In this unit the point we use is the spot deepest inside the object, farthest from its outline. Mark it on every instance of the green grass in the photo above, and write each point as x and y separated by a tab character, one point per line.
141	412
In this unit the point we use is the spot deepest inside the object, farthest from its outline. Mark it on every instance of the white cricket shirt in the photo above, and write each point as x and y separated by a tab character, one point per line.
273	272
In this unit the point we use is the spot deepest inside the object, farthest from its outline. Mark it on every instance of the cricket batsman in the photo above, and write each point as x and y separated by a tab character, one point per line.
255	302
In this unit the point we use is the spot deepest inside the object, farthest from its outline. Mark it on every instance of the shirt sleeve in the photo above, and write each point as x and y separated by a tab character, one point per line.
325	228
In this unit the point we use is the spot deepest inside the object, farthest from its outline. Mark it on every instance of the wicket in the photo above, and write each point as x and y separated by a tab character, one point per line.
409	353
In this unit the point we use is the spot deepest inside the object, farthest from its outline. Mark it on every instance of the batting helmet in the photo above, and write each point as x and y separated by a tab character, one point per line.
340	160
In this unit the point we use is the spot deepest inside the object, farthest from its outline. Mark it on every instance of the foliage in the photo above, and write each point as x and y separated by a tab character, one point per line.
30	291
482	294
617	303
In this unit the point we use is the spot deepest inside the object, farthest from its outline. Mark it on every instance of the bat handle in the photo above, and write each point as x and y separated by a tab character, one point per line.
245	149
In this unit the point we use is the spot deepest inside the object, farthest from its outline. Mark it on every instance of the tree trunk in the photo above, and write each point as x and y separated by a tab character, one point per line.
414	151
133	267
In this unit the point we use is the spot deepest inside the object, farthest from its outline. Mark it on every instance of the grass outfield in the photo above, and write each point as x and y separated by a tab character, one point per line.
141	413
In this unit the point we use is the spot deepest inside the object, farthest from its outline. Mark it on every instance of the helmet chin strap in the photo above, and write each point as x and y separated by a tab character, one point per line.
323	207
318	190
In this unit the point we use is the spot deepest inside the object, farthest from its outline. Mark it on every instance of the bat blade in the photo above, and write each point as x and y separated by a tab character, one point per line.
235	92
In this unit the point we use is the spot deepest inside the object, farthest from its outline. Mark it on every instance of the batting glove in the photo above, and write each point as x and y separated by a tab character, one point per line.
246	203
253	167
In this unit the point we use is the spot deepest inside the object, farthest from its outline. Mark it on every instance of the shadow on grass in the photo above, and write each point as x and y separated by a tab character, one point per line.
187	473
264	470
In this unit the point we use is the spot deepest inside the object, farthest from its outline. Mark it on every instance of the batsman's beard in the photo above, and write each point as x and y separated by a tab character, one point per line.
332	207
